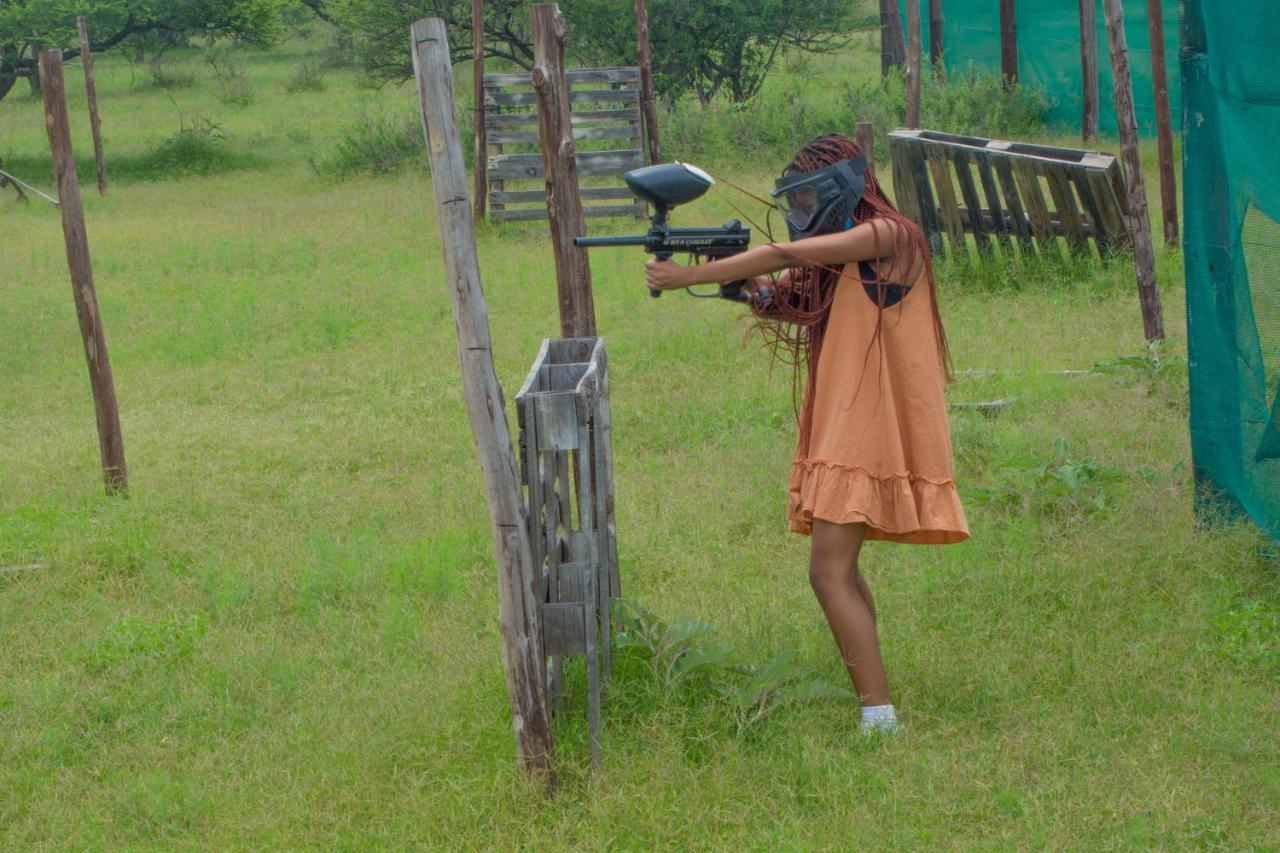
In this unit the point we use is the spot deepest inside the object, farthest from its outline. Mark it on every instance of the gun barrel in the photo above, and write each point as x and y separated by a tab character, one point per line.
589	242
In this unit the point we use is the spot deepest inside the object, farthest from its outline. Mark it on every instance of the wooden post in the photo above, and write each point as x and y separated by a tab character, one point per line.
1164	125
935	35
86	62
913	64
1089	72
560	169
647	104
893	53
479	159
518	605
110	439
1139	225
1008	43
865	137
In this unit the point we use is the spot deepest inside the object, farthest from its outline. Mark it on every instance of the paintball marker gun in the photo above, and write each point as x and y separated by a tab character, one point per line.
664	186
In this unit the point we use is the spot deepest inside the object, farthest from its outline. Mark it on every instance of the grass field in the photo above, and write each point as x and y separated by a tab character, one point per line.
287	636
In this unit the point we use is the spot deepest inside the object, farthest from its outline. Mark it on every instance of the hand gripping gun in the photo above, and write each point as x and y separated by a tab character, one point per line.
664	186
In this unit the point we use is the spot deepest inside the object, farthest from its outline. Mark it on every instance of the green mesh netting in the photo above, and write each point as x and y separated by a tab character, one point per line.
1231	173
1049	51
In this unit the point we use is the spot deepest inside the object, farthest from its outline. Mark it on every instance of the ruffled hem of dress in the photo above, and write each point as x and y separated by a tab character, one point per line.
900	507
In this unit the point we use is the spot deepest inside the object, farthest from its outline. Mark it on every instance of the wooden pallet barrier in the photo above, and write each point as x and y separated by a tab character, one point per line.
606	124
1007	193
566	460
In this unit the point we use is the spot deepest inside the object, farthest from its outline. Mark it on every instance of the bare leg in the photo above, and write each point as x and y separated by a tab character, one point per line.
860	583
846	600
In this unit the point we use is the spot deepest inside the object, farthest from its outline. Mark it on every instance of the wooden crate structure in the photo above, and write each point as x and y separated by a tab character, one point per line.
1008	200
566	461
605	110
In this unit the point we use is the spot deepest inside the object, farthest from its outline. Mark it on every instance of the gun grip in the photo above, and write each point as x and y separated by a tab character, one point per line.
661	256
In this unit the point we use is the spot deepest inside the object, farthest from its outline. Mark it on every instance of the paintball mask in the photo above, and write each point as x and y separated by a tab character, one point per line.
821	202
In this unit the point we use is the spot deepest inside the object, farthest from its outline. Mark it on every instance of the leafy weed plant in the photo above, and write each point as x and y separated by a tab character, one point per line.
1063	487
680	653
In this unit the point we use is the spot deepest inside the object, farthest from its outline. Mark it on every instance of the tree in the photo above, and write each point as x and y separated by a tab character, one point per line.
711	46
29	26
376	30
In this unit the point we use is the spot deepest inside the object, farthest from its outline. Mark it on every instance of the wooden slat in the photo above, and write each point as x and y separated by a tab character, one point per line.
1116	172
1064	202
564	629
999	224
1109	208
536	196
1037	210
924	193
514	137
556	421
1101	238
1039	153
498	121
576	76
904	188
969	192
587	96
948	207
590	164
1013	202
518	214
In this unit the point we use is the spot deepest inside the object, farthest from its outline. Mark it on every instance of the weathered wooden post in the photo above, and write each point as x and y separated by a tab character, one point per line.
1008	43
1088	72
935	35
647	104
913	63
518	604
91	89
1139	224
892	51
560	170
864	135
1164	125
107	412
479	158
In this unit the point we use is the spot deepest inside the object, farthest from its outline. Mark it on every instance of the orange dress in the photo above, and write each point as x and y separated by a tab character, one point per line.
879	448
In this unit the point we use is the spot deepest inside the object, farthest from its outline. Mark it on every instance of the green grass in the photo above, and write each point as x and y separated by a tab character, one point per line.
287	636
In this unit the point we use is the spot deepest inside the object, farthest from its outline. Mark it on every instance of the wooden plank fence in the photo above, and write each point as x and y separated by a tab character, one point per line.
566	461
1028	195
606	117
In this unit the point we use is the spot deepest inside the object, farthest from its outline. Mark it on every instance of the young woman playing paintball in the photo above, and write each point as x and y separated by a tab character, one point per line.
855	305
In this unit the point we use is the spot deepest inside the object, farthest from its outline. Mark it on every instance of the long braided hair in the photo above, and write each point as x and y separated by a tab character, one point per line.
794	323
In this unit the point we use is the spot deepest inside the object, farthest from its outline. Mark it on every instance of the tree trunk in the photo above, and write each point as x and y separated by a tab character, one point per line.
1164	125
1088	72
1008	43
1139	224
914	49
893	53
935	34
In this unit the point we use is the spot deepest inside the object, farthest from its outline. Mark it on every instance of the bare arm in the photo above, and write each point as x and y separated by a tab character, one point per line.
846	247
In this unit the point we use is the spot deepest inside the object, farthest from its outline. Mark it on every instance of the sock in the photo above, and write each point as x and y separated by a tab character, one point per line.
879	718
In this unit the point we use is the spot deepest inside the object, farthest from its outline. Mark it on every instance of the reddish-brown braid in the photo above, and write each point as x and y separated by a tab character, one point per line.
795	320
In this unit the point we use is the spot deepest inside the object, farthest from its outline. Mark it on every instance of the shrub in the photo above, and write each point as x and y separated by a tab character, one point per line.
773	125
307	77
167	76
376	144
199	147
232	71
